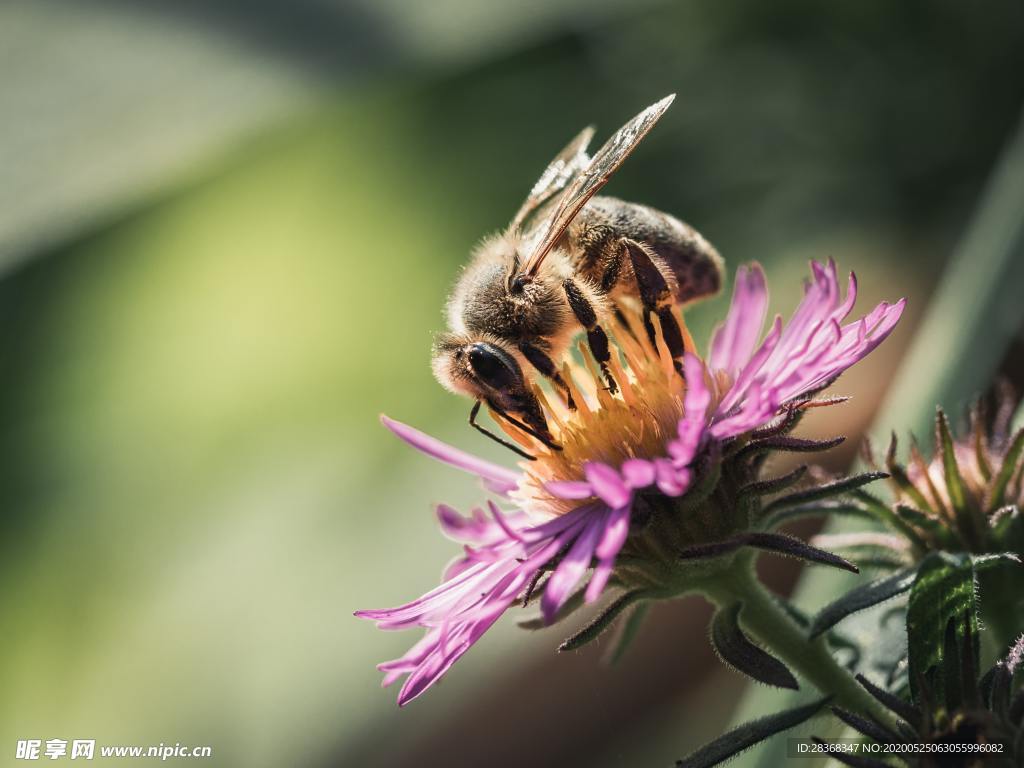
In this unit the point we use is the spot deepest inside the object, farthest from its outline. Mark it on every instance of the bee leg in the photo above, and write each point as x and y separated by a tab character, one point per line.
612	270
483	430
596	337
623	321
546	366
656	297
544	437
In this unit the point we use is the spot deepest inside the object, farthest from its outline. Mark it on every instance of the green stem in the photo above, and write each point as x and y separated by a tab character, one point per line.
768	622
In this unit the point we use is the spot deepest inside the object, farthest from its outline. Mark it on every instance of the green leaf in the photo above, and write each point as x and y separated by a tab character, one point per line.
861	597
943	590
1007	526
985	562
747	735
741	654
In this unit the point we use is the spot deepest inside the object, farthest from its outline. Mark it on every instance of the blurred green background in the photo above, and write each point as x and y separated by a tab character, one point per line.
226	233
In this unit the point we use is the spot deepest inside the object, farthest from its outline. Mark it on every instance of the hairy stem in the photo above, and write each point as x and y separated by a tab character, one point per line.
772	626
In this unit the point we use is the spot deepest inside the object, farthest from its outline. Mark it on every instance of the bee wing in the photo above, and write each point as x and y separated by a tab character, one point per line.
568	163
585	185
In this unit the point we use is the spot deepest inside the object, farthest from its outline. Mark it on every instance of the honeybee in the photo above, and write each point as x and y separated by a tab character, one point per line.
565	264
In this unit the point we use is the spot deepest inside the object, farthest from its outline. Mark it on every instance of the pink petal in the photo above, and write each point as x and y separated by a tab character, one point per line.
607	484
571	569
599	580
500	519
616	529
671	481
637	473
499	479
570	489
734	342
694	422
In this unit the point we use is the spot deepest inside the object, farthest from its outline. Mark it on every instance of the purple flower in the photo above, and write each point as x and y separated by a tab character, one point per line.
571	509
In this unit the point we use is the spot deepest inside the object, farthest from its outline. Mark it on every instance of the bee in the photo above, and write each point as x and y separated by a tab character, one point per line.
566	264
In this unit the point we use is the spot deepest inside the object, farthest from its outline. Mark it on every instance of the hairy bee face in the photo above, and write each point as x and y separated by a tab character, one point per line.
486	369
475	367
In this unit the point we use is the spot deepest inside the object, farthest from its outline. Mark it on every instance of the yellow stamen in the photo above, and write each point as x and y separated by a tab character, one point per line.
636	422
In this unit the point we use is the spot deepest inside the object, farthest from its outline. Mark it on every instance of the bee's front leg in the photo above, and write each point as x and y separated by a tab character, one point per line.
596	337
500	441
539	359
656	298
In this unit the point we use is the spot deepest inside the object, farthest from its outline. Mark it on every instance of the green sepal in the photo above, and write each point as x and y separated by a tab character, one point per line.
738	652
869	549
747	735
967	521
574	602
868	726
786	444
826	491
771	485
900	477
779	543
813	509
1010	459
898	706
604	620
887	516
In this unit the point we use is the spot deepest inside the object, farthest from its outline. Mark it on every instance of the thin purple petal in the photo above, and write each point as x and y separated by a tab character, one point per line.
607	484
570	489
571	569
734	342
637	473
499	479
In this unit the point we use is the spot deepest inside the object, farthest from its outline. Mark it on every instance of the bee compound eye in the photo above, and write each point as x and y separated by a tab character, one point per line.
492	366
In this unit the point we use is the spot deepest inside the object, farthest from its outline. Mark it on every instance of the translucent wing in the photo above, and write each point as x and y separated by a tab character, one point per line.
568	163
585	185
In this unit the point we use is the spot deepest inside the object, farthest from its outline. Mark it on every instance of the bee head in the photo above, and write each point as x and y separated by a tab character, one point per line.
475	366
486	369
